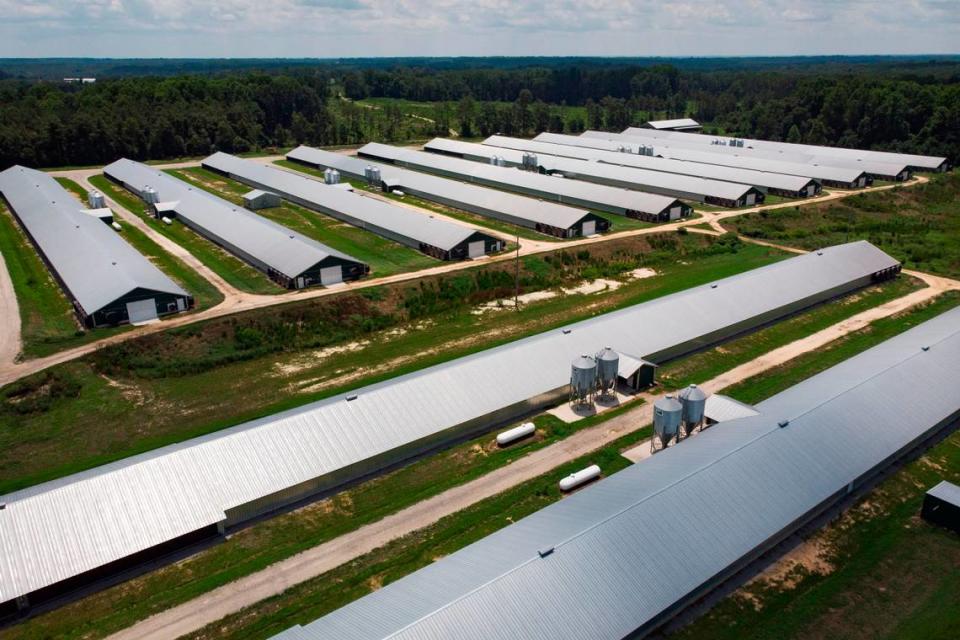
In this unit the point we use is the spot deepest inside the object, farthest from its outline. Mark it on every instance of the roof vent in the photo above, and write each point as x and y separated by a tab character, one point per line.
783	423
713	286
3	505
926	348
543	553
819	252
566	331
352	397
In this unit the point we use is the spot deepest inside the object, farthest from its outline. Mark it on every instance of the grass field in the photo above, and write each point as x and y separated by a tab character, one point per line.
385	257
205	294
919	225
233	270
107	421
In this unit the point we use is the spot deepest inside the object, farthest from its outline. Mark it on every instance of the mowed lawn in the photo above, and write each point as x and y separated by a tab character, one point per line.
384	256
233	270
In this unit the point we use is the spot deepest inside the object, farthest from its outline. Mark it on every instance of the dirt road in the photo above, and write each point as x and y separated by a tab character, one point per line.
236	301
278	577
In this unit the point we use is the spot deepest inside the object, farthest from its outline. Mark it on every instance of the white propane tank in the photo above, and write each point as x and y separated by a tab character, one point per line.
115	225
511	435
166	220
583	476
399	193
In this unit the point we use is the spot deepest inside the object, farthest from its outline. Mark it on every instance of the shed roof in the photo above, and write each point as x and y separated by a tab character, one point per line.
519	207
630	548
722	408
396	219
95	264
676	123
65	527
285	250
763	179
946	491
601	196
909	159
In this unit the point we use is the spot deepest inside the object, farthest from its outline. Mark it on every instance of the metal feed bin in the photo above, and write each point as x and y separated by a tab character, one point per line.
667	415
583	380
694	402
608	368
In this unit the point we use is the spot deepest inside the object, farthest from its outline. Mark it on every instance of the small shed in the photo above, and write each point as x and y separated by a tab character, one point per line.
637	373
721	408
941	506
258	199
103	214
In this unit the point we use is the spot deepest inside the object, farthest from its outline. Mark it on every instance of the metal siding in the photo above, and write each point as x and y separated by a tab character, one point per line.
633	548
258	240
92	261
65	527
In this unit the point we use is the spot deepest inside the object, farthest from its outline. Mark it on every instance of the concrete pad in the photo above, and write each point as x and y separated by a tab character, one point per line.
569	413
639	452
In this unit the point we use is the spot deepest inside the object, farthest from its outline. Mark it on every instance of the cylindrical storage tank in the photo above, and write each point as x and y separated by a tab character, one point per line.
608	366
115	225
694	402
375	179
667	415
96	200
331	176
579	478
150	195
512	435
583	378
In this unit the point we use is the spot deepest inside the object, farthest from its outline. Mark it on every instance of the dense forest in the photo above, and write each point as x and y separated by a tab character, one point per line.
901	105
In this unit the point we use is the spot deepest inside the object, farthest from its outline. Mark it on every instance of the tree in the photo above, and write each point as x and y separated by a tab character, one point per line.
794	134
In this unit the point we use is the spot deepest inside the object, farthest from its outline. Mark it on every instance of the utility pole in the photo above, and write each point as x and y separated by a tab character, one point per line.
516	277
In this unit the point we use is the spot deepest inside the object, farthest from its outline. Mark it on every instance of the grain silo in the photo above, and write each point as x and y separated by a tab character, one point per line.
667	414
693	401
608	366
583	380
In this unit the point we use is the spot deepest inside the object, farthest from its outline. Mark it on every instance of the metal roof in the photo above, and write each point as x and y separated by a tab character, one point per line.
874	166
908	159
285	250
721	408
604	196
731	157
763	179
65	527
673	124
518	208
338	203
94	263
619	556
946	491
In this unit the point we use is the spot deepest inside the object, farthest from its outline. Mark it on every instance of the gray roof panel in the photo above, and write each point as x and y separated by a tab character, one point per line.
946	491
65	527
636	544
514	206
95	264
403	221
603	195
762	179
672	124
285	250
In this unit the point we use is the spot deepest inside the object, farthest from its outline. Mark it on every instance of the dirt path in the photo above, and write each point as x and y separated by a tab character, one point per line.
228	599
239	301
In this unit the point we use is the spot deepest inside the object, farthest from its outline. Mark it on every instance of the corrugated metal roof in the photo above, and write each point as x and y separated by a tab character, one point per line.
722	408
673	124
285	250
946	491
65	527
399	220
95	264
513	206
711	171
871	165
604	196
697	153
646	539
909	159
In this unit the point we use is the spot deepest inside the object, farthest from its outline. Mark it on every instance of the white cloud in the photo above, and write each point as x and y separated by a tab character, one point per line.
334	28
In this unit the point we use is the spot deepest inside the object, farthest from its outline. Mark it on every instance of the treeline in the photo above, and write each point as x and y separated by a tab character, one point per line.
53	124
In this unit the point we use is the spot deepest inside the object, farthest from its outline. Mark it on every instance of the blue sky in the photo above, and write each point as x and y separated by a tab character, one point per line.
346	28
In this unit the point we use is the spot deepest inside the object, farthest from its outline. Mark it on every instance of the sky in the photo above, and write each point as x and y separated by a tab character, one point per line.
362	28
